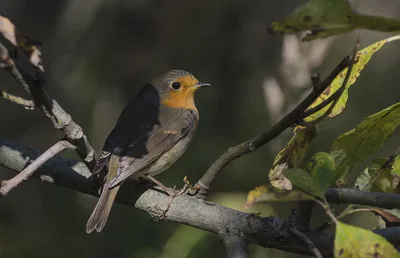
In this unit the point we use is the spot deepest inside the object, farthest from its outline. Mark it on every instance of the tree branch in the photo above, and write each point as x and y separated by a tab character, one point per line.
184	209
60	118
236	246
307	241
28	104
8	185
267	232
354	196
251	145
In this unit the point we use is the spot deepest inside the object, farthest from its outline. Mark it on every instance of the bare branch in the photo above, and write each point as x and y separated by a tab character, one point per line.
267	232
339	92
307	241
9	65
184	209
236	246
60	118
251	145
354	196
28	104
8	185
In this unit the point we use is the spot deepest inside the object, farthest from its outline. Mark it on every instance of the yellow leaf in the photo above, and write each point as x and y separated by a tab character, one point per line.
264	194
363	57
353	242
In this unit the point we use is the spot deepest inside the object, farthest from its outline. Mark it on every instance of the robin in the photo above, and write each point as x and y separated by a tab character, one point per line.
152	132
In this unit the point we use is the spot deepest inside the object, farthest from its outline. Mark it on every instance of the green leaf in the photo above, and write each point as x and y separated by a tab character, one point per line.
384	182
263	194
303	180
356	145
322	169
324	18
363	57
291	156
352	241
396	166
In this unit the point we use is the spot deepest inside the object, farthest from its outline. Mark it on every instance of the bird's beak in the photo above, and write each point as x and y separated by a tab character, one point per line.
202	85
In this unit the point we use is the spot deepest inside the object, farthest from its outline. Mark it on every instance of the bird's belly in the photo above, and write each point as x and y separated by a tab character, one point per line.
169	157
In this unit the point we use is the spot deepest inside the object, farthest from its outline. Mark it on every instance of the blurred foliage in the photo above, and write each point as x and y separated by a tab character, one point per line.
324	18
98	53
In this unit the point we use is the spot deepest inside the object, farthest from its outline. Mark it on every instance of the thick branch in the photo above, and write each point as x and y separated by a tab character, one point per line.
267	232
60	118
251	145
236	246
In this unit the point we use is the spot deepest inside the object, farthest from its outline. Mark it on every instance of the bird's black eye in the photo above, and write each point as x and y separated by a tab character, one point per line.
176	85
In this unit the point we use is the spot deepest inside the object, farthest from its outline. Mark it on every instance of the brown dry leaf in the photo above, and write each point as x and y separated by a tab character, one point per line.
291	156
390	219
29	47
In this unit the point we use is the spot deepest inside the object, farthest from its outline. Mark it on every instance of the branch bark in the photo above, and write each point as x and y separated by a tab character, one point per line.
28	104
354	196
307	241
236	246
249	146
8	185
264	231
60	118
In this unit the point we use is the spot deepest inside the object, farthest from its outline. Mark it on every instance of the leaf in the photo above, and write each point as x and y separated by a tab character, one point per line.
353	241
324	18
28	46
396	166
263	193
390	219
322	169
352	147
303	180
363	57
380	183
291	156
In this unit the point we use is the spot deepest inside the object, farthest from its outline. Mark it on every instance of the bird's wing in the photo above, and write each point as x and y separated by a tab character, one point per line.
175	124
134	123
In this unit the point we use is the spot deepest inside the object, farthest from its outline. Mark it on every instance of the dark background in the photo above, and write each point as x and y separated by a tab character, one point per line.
97	53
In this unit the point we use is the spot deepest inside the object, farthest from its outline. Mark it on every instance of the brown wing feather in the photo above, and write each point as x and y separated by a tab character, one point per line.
134	123
175	124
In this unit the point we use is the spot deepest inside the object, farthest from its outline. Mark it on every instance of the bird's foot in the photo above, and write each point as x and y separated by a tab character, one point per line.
172	192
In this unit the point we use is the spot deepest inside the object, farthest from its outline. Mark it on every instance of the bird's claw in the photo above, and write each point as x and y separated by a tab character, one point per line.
172	192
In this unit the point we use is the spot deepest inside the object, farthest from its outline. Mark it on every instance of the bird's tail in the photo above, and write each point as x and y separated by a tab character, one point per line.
100	214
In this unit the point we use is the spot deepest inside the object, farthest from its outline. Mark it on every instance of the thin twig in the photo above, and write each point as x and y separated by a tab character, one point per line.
342	215
334	98
8	185
387	165
307	241
60	118
324	204
9	65
28	104
251	145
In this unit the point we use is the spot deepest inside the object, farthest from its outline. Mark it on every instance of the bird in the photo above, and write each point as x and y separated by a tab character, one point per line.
152	133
